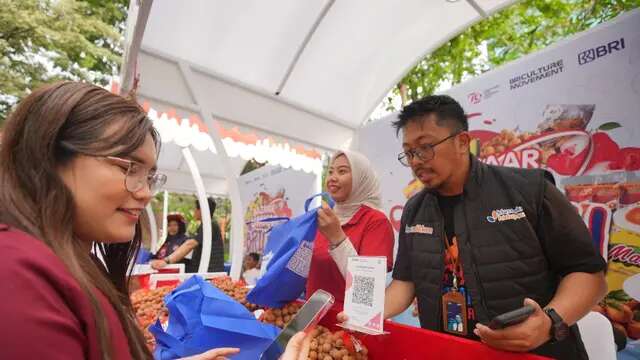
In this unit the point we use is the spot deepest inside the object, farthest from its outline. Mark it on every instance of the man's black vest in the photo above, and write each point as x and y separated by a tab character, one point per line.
498	226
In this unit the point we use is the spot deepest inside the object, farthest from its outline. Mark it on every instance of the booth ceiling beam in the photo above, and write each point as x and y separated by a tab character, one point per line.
304	44
236	102
237	235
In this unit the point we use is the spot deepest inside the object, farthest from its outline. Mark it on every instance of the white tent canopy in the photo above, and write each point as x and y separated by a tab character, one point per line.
331	62
172	163
310	72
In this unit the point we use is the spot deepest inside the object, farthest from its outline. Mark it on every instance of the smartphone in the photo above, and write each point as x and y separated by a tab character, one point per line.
307	317
511	318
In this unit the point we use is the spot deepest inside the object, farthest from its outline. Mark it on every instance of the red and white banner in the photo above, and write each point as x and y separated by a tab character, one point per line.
573	109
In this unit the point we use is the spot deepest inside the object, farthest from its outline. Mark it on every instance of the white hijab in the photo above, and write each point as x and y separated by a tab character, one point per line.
365	187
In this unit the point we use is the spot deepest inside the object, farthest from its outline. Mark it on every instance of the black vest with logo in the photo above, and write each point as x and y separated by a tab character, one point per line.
502	257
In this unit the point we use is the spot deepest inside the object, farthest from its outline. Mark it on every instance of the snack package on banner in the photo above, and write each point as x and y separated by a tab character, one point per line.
288	265
610	206
201	318
272	243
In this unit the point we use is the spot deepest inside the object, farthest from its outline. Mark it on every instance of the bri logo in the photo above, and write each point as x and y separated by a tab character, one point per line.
597	52
418	229
500	215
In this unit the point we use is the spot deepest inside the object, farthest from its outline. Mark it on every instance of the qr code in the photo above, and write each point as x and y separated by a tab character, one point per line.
363	290
301	259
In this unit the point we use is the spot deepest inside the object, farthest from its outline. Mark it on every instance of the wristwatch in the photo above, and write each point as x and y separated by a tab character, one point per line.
559	328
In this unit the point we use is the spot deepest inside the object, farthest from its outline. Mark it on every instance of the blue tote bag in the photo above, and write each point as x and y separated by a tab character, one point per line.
201	317
288	264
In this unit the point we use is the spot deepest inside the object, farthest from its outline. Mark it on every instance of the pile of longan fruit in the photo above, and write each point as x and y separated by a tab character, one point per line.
234	290
280	317
148	305
327	345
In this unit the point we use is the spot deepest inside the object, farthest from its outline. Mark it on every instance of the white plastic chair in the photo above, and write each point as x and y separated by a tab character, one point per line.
597	335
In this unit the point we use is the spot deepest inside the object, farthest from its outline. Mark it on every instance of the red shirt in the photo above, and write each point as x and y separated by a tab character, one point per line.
43	312
371	234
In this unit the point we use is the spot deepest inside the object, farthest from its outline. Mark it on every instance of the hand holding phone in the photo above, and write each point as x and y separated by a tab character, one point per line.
307	317
511	318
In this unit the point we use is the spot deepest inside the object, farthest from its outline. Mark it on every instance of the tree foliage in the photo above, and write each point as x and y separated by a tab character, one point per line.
516	31
47	40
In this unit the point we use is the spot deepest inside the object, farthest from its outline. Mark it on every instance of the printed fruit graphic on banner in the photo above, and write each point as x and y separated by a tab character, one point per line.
561	143
605	150
623	312
627	159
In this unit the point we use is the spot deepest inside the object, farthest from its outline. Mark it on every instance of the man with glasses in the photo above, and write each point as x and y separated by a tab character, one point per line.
482	240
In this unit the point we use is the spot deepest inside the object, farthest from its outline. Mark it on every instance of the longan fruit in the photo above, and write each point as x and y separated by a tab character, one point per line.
313	345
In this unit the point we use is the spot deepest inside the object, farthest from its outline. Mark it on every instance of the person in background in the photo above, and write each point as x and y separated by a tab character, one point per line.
177	248
483	240
251	271
355	226
216	261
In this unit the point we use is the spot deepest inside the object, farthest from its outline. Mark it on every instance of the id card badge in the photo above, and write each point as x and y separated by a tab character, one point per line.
454	313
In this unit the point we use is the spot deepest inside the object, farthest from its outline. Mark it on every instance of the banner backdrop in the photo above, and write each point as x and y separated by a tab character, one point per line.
272	192
573	109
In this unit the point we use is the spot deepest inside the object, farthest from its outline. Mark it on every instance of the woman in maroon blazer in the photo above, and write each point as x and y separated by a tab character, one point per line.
77	168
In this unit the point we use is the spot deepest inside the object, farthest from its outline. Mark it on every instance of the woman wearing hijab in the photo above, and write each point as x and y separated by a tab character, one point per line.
354	227
176	239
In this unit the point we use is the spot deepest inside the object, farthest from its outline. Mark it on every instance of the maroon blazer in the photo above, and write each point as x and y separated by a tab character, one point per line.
43	312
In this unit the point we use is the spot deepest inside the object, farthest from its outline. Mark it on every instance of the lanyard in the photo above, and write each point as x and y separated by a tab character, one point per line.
453	254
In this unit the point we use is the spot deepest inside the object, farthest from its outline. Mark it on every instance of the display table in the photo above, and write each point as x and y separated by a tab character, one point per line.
409	343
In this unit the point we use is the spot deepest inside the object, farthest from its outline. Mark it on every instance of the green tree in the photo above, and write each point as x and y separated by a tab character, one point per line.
516	31
47	40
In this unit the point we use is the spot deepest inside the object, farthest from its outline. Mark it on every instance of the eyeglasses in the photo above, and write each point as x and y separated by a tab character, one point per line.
136	176
424	152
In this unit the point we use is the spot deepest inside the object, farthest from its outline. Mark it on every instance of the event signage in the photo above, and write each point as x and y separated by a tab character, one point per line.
572	109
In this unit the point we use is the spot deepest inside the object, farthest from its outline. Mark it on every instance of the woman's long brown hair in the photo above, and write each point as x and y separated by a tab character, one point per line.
34	199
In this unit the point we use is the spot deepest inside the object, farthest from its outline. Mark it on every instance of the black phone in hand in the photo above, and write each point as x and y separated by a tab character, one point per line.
512	317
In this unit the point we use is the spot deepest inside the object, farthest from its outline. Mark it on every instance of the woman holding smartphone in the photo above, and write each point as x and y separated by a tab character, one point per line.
77	168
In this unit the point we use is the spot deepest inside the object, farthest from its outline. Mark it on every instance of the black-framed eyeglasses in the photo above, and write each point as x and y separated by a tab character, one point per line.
424	152
136	176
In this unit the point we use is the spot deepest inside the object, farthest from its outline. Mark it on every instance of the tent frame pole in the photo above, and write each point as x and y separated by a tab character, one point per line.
153	227
165	212
237	231
205	212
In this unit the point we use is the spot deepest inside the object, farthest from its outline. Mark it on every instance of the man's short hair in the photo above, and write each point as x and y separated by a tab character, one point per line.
212	204
255	256
447	112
